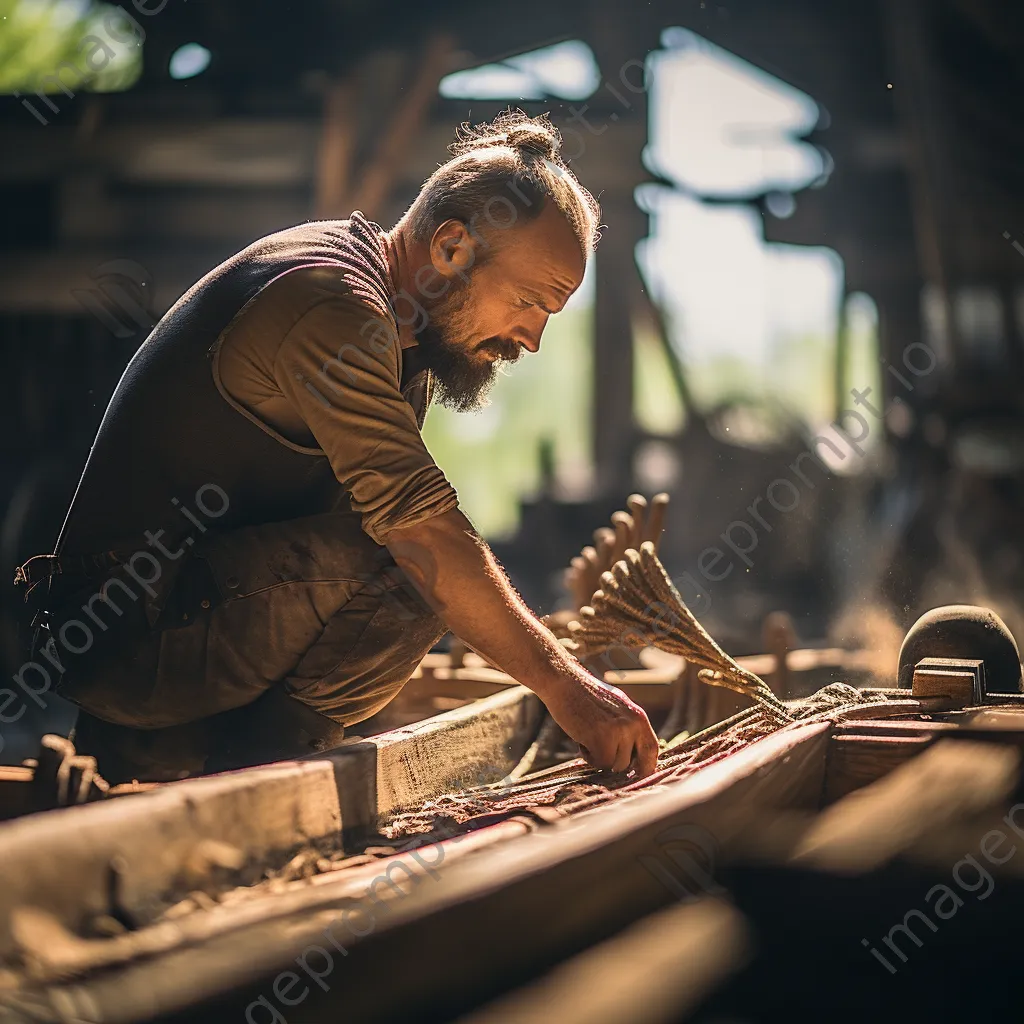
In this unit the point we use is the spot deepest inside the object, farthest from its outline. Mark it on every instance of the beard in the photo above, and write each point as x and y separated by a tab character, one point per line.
463	377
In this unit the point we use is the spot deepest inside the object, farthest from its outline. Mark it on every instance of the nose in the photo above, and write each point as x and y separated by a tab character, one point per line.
529	335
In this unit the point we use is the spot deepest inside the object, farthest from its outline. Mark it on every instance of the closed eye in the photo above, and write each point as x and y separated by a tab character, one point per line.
525	303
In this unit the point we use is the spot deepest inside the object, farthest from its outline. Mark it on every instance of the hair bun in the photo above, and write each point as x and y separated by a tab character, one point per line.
515	129
534	138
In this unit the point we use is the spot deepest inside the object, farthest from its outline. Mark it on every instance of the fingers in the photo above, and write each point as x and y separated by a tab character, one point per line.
645	758
635	747
623	755
600	758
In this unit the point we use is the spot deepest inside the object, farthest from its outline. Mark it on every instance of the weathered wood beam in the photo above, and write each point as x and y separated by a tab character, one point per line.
548	895
137	849
470	746
263	814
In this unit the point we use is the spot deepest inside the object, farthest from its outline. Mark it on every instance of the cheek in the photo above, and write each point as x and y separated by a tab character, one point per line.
485	312
492	297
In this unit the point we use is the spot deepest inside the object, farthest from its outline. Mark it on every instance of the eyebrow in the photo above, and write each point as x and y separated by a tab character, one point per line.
538	301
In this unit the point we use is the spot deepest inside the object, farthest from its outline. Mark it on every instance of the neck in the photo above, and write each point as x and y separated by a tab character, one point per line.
405	257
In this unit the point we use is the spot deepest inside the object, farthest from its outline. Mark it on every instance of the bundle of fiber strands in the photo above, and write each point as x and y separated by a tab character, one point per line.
638	606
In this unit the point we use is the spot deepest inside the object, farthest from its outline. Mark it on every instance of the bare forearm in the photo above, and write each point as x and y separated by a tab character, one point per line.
458	575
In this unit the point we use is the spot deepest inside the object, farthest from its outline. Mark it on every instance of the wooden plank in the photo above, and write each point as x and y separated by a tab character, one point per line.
52	952
855	761
548	895
260	812
470	746
1008	717
948	781
160	841
895	728
143	849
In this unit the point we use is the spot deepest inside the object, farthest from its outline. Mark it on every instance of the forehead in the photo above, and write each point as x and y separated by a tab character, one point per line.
544	249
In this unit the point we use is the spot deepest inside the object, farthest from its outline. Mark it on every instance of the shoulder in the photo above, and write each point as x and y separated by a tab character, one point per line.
343	259
326	321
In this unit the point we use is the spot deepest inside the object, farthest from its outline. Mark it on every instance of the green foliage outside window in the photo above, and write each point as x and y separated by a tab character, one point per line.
49	46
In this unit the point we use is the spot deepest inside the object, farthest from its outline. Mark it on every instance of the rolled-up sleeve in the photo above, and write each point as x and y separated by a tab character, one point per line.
339	367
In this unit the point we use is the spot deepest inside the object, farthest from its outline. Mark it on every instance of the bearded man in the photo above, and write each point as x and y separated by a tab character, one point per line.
261	549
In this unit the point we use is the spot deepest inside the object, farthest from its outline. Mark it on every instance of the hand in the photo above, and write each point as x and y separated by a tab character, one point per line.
611	730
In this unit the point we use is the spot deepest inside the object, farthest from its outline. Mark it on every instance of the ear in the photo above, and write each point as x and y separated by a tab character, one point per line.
454	249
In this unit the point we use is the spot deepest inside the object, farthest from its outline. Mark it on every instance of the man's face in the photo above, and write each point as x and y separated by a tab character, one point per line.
525	273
